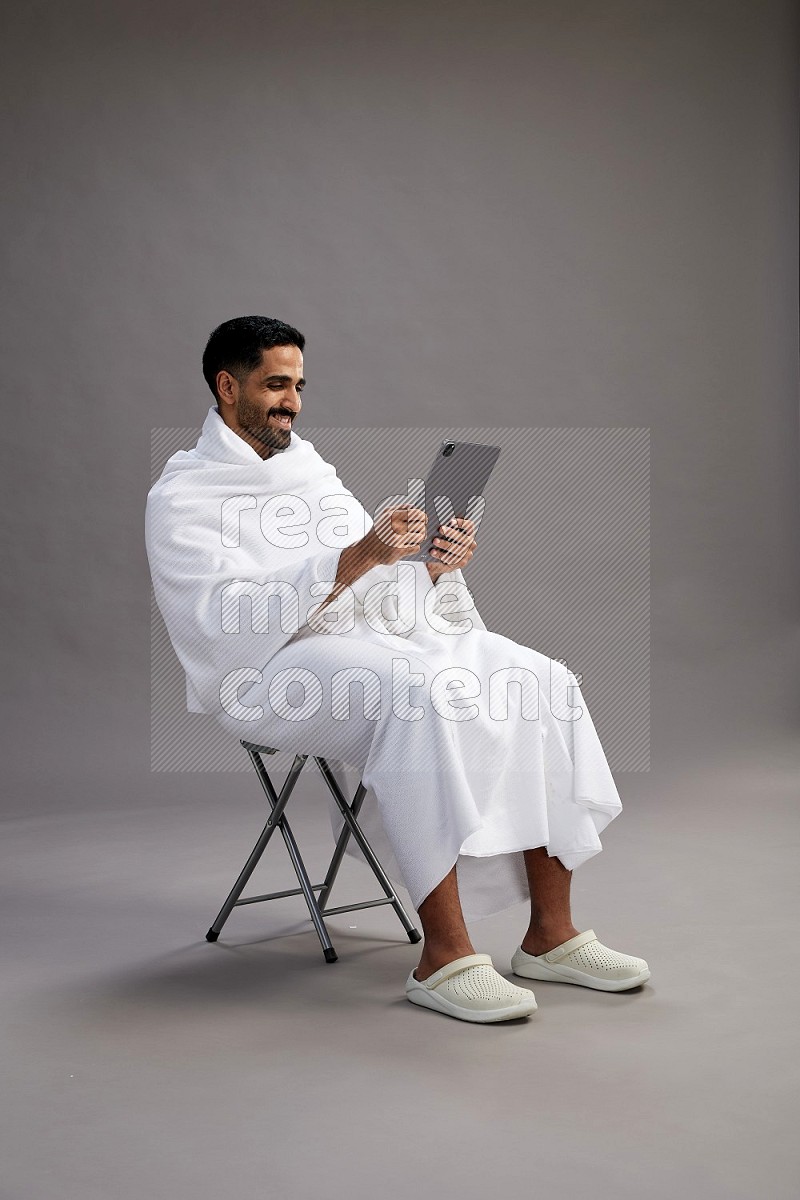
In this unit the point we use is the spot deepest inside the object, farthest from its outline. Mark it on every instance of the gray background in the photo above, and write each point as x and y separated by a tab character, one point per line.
550	215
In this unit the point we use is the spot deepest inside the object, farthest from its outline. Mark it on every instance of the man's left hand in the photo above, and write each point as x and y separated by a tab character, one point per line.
453	546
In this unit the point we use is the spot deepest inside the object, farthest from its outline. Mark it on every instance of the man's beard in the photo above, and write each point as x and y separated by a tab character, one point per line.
251	418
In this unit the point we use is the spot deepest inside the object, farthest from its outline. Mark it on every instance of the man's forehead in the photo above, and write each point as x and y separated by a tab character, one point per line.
282	360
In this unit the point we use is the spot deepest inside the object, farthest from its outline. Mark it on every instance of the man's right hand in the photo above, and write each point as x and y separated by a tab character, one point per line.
397	532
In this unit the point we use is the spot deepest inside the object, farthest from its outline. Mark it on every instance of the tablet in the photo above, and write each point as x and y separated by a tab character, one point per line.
458	476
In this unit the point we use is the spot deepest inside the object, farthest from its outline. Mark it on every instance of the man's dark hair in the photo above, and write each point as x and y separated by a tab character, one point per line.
236	346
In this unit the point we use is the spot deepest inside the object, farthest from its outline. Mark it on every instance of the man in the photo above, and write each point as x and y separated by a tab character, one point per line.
474	804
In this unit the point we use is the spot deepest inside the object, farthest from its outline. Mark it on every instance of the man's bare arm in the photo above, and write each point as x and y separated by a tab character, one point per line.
354	561
396	533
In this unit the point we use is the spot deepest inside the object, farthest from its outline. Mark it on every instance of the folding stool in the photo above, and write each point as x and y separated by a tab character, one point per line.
277	820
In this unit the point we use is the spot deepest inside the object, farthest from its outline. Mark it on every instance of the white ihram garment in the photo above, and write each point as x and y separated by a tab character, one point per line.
453	774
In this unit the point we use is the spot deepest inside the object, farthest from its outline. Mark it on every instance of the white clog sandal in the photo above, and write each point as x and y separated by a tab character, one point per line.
470	989
583	959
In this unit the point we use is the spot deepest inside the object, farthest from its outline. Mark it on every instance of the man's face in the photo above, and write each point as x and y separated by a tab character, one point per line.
263	409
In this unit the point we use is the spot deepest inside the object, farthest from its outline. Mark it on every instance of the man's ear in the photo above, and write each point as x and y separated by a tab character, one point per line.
226	388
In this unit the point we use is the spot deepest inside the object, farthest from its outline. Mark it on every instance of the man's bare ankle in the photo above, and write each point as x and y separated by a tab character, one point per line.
433	959
546	937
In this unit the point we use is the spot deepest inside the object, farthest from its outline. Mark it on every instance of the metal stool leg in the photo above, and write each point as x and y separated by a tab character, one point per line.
278	805
341	846
352	827
276	820
308	892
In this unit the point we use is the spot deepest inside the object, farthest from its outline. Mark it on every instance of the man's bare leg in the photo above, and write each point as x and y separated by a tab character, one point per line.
442	923
446	935
549	883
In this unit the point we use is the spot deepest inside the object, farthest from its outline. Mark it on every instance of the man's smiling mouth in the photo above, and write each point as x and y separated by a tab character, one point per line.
284	422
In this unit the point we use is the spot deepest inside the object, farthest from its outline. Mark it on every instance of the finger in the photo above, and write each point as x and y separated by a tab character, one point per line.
444	546
454	531
460	554
453	554
451	540
413	516
456	538
401	526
